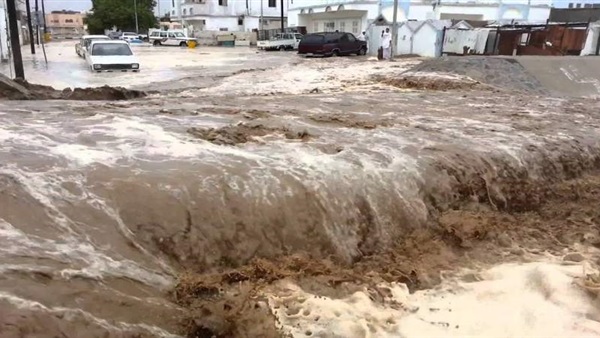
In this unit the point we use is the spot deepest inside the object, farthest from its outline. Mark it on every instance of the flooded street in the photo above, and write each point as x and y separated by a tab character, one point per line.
261	194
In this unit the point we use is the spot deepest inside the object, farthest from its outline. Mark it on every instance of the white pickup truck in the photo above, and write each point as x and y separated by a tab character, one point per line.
281	41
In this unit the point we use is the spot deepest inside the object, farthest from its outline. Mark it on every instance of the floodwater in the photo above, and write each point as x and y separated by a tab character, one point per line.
158	65
104	204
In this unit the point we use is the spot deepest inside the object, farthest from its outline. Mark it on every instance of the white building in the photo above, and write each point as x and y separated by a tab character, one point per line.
230	15
356	15
4	37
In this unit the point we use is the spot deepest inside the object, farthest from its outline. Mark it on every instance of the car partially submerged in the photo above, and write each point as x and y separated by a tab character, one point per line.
170	38
83	45
111	56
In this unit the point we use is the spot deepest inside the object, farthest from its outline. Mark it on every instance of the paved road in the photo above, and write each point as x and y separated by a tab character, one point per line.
568	75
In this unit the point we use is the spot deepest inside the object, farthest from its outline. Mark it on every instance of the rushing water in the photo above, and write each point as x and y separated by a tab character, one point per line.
102	204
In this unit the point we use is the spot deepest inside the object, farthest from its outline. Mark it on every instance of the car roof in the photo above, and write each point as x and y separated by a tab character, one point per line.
94	36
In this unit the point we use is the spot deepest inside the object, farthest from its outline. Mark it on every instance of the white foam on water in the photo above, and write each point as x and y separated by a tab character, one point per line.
510	300
71	314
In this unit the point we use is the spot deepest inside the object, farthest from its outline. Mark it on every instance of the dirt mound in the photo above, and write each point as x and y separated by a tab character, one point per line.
498	72
242	133
23	90
428	82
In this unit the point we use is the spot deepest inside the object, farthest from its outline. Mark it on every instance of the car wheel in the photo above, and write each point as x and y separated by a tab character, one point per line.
335	53
156	43
362	51
183	44
281	48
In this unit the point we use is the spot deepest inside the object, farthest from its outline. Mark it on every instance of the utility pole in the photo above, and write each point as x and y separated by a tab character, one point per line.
44	16
11	8
137	30
394	30
261	15
282	23
30	27
37	22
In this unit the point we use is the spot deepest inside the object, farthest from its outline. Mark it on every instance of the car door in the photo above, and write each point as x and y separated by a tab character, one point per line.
353	44
164	38
344	44
172	41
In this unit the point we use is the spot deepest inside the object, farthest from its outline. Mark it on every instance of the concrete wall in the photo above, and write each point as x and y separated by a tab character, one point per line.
209	38
427	41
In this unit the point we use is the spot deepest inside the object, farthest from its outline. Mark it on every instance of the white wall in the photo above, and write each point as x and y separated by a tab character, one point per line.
427	41
538	14
591	41
235	8
421	12
405	40
3	36
486	12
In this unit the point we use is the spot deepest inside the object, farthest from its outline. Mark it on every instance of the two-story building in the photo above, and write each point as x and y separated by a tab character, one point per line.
65	24
229	15
356	15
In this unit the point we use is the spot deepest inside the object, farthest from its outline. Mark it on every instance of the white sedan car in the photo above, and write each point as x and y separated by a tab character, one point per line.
110	56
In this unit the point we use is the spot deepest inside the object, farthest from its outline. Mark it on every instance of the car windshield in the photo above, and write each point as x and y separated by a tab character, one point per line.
88	41
107	49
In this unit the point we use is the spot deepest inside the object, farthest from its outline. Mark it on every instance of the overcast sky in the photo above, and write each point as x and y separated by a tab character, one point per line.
83	5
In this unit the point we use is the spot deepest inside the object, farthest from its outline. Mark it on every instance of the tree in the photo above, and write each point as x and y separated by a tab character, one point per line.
107	14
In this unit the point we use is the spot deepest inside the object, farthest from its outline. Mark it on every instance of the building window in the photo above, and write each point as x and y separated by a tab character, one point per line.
330	26
342	26
316	26
240	21
355	27
222	2
272	3
578	6
185	11
68	20
191	11
223	29
570	5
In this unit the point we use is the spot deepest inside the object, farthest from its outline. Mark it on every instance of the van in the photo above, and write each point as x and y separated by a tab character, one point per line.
330	43
169	38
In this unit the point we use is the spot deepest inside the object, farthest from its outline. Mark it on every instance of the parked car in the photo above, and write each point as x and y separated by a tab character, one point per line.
114	35
281	41
82	46
169	38
330	44
111	55
131	37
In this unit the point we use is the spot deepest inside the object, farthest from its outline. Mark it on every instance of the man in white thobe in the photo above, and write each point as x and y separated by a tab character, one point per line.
386	44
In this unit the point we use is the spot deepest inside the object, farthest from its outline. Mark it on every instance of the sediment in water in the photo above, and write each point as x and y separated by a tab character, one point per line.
478	206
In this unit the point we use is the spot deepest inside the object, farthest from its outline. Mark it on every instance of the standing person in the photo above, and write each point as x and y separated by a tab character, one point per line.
386	43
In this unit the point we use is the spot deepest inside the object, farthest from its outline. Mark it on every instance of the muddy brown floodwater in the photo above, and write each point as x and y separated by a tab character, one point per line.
285	202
